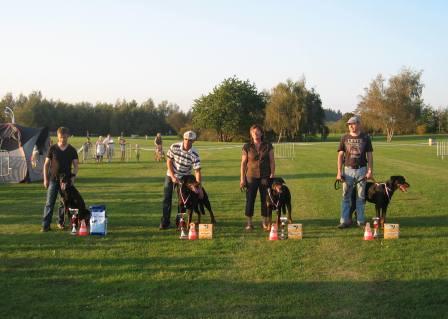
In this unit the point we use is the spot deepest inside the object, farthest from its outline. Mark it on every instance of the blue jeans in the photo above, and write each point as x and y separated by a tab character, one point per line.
351	176
52	194
167	198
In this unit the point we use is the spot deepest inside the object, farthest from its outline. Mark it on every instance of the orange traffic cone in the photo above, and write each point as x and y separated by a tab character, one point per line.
273	234
368	232
192	234
83	229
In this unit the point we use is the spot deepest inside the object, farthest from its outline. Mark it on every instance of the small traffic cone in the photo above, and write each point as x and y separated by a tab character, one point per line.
273	234
83	229
368	232
192	234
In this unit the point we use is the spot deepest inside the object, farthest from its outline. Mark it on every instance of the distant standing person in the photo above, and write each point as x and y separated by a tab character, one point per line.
85	150
158	147
122	143
60	160
355	166
100	149
137	152
182	158
257	166
109	142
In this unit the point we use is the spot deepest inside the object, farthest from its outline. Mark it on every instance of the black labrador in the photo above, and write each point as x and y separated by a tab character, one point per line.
380	194
279	199
193	198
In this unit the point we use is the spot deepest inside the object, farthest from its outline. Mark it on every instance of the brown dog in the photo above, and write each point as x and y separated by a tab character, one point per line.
193	197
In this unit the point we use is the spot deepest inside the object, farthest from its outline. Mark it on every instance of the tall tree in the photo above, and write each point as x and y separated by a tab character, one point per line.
284	110
230	109
294	110
395	107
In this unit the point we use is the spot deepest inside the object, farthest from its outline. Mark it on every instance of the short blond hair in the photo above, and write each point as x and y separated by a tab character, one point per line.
63	130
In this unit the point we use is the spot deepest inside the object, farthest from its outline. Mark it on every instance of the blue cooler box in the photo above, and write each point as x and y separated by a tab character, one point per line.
98	220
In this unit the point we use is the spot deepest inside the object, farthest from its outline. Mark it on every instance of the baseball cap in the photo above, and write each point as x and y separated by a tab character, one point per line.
353	119
190	135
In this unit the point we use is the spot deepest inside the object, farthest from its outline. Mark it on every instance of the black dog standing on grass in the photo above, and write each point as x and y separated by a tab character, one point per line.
193	198
380	194
279	199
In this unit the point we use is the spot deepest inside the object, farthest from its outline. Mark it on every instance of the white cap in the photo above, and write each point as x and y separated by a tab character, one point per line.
190	135
353	119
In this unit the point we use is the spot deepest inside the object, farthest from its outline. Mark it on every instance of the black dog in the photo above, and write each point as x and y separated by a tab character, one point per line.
193	198
279	199
380	194
71	198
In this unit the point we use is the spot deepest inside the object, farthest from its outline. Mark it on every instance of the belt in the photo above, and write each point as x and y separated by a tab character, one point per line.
356	166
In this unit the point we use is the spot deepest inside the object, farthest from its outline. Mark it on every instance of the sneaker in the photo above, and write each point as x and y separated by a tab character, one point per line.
60	226
249	227
45	229
361	224
342	226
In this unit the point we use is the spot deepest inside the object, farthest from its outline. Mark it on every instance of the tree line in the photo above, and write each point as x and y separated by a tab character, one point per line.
289	112
123	117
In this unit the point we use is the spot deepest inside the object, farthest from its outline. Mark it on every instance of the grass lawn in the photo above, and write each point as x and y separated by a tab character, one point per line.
138	271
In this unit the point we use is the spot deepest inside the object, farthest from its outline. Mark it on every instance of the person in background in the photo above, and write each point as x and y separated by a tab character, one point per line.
100	149
158	147
109	143
85	150
137	152
257	167
122	142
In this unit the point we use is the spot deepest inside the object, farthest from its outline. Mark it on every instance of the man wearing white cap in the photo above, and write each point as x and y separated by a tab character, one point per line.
182	158
355	166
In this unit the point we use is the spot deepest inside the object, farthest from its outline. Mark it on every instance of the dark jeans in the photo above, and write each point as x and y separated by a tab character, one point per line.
254	185
52	194
167	198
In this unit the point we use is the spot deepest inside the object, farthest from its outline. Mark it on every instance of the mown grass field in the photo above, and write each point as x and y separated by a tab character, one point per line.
138	271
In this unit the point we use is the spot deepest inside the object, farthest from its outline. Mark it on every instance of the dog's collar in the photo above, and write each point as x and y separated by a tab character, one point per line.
272	200
184	201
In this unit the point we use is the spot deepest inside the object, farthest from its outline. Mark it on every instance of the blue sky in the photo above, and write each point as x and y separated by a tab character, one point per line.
179	50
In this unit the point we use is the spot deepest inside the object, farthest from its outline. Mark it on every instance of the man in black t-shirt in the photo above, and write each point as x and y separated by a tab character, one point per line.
355	166
60	159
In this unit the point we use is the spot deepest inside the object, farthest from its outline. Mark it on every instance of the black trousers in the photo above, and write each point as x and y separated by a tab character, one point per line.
254	185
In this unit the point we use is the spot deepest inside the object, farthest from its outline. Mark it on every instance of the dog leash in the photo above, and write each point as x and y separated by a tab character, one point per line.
337	183
272	200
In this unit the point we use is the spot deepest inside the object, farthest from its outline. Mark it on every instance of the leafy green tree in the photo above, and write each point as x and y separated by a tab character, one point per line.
396	107
294	110
230	109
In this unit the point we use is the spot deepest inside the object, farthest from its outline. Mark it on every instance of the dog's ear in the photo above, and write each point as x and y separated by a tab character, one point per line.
281	180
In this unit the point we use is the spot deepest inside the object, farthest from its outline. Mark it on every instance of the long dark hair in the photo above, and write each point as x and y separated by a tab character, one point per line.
256	127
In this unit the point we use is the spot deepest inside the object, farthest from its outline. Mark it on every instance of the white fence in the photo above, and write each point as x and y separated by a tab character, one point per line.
5	168
442	149
284	150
